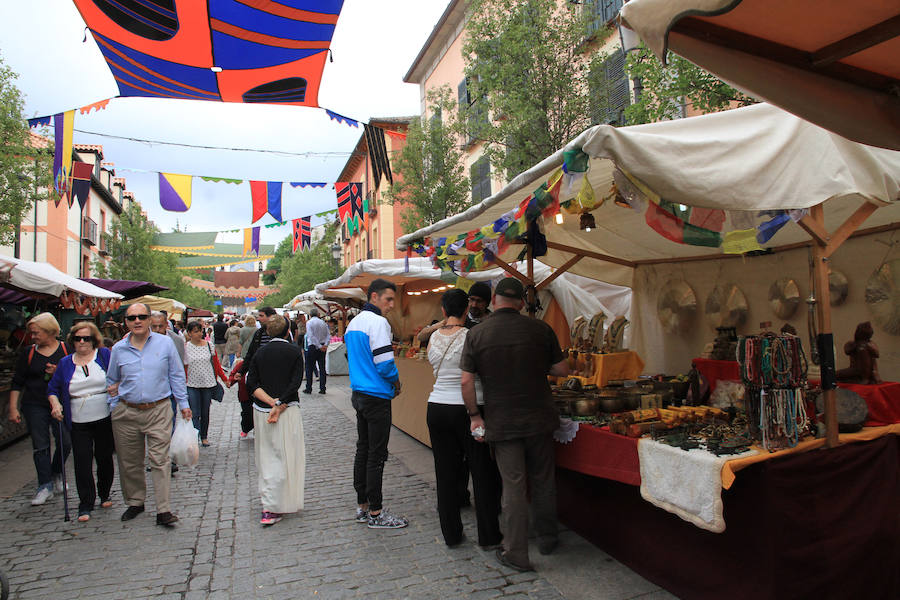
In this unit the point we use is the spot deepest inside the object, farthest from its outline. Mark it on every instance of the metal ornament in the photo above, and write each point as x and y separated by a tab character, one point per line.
838	285
726	306
676	306
883	297
784	297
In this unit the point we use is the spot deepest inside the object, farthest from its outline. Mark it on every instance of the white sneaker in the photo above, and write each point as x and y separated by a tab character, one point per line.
58	484
43	494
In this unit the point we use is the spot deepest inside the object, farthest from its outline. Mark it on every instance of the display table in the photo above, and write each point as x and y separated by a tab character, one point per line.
609	367
717	370
409	408
883	400
597	452
336	359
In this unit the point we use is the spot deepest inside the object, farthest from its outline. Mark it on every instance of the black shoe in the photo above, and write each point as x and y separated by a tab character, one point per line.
457	543
501	558
174	468
307	391
321	391
547	547
167	519
131	512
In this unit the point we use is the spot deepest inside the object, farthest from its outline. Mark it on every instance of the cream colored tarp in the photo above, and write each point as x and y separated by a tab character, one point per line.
174	308
771	50
43	278
744	160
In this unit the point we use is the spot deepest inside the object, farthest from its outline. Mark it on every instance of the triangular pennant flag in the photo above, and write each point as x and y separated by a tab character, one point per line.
63	124
81	182
347	195
175	192
266	196
296	238
305	233
303	184
341	118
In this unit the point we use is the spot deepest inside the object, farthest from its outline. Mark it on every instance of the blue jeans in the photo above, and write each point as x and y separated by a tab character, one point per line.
200	400
40	424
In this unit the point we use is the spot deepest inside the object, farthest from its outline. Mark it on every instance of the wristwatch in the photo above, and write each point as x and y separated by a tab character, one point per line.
474	414
278	403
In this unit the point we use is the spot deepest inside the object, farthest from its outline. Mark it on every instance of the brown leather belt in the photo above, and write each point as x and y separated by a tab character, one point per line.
145	405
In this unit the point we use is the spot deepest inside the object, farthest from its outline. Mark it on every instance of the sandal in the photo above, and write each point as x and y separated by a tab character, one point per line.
84	517
205	443
106	503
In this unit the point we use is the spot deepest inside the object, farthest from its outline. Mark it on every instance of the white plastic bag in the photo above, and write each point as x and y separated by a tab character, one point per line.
184	447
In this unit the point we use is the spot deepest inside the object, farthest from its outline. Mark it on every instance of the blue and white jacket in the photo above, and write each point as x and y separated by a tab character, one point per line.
370	354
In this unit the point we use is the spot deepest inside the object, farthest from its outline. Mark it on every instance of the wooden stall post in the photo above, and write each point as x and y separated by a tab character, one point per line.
530	291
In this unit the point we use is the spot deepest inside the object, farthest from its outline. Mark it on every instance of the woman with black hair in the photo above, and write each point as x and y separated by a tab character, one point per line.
451	442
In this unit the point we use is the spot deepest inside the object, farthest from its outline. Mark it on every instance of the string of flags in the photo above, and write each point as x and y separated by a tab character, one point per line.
302	233
695	226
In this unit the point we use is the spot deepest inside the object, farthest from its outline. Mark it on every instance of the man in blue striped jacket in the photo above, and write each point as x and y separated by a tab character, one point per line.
374	381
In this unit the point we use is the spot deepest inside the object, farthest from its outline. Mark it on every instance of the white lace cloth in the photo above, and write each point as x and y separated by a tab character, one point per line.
685	483
567	430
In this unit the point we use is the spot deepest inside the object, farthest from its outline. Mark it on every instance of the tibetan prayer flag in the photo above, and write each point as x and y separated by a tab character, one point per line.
81	183
63	125
251	240
766	230
266	197
347	193
672	228
175	192
740	242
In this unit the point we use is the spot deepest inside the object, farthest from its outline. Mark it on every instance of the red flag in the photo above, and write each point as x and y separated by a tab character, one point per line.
346	194
302	233
297	228
80	186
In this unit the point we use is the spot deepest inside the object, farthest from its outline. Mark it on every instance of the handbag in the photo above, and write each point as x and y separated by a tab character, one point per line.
218	393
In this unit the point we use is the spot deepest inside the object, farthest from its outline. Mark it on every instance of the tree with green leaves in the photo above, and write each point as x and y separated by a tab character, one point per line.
529	66
283	251
667	89
301	271
431	183
25	167
128	244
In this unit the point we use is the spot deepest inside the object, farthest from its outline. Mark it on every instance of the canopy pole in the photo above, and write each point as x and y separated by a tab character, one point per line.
530	291
824	245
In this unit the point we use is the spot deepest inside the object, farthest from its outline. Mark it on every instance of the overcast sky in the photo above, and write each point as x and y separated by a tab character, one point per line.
374	45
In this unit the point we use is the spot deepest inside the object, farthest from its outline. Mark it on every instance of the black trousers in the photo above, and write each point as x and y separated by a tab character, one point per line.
453	446
373	428
93	442
315	357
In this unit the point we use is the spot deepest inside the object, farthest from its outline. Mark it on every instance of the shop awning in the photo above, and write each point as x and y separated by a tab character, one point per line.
43	280
184	242
743	162
831	62
128	289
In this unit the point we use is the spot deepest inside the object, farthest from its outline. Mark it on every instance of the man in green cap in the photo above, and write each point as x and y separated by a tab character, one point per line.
513	354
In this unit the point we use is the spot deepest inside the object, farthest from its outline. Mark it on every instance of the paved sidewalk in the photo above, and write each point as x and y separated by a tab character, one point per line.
219	550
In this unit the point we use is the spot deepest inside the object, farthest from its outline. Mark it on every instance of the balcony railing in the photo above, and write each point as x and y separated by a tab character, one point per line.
89	232
102	249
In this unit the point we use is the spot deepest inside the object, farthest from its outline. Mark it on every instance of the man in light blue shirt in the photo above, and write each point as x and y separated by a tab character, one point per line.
145	373
317	338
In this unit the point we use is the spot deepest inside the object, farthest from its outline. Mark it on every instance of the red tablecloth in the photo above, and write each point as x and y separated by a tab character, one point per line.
597	452
883	401
715	370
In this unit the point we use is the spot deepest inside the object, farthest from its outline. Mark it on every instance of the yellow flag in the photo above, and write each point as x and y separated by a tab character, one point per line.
740	242
464	284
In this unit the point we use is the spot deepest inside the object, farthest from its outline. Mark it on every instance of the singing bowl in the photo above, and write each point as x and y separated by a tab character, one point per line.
585	407
883	297
838	286
676	307
726	306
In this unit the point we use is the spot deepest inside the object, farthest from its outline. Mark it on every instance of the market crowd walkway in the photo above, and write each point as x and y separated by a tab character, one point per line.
219	550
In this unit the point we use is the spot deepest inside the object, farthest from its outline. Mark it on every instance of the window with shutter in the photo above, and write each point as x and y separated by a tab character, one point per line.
609	91
601	12
480	177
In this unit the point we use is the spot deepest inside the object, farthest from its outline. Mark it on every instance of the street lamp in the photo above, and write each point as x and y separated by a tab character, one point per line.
336	257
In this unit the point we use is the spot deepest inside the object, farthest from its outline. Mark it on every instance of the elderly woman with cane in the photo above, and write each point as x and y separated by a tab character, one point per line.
78	394
276	371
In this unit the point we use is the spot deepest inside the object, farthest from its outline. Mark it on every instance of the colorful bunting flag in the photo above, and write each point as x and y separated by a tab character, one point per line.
672	228
40	121
221	179
251	241
302	233
347	195
81	182
63	124
740	242
266	197
175	192
766	230
341	118
378	156
303	184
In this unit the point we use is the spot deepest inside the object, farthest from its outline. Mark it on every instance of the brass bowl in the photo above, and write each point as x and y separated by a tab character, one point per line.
585	407
611	404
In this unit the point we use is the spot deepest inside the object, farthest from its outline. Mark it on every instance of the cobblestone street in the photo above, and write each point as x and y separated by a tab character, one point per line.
219	550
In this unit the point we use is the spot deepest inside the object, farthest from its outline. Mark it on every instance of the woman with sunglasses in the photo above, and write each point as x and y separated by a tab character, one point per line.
201	366
78	395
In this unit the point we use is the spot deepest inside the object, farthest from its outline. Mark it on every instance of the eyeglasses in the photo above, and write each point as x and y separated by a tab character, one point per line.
143	317
82	338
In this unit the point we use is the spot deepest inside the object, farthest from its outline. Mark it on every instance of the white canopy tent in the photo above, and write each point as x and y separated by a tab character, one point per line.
743	161
42	278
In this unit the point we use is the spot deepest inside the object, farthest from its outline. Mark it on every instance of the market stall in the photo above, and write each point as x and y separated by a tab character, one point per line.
419	287
173	307
666	209
27	283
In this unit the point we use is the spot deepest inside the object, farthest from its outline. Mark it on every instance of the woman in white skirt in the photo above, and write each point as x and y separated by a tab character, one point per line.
274	379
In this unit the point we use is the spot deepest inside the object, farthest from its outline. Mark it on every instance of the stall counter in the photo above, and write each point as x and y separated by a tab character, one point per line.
409	408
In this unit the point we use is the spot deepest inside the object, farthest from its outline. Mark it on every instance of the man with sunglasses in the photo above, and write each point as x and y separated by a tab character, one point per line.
144	374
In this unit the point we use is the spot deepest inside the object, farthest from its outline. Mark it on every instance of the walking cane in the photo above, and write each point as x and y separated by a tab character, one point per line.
62	468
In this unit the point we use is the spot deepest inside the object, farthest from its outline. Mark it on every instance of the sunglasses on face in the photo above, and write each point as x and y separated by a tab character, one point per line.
133	317
82	338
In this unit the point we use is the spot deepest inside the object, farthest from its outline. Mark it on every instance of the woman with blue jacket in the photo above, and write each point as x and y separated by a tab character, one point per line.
78	394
